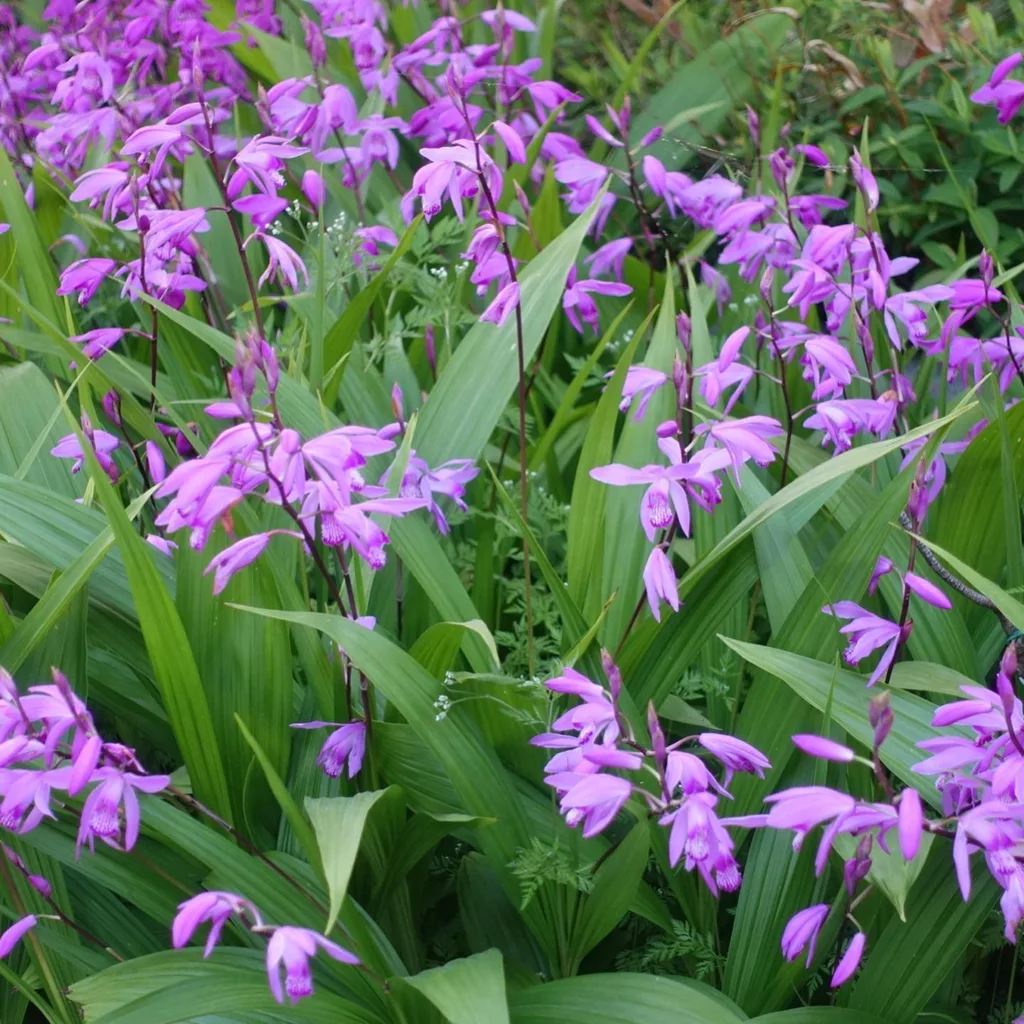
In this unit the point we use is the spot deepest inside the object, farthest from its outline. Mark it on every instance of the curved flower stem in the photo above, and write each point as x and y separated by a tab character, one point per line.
963	589
232	219
192	802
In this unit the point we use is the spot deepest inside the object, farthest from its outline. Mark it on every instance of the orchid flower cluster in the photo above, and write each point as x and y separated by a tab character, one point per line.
600	765
49	745
50	754
289	948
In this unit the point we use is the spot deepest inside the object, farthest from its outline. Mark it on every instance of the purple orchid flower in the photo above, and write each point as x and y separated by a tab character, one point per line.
345	747
867	632
101	812
292	948
579	307
215	907
802	930
999	92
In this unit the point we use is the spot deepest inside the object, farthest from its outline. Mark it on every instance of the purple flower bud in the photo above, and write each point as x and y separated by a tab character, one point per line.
112	407
781	164
651	137
865	182
315	45
313	189
917	501
911	823
611	670
396	402
1008	662
801	932
155	462
657	736
268	364
667	429
813	154
11	937
821	746
850	961
765	286
428	345
986	267
684	329
1004	687
880	717
754	127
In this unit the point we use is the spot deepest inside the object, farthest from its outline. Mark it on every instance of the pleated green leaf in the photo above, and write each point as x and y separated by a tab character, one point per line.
467	991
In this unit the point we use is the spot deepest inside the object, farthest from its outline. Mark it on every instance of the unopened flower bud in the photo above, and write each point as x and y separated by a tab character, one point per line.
986	267
313	189
754	127
766	284
684	329
524	203
396	403
784	131
197	67
315	45
428	345
667	429
1008	662
611	670
880	717
781	164
651	137
917	501
112	407
1004	687
657	735
144	223
269	366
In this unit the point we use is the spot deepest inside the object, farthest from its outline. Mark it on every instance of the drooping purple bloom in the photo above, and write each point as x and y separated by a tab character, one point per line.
345	747
911	822
13	935
215	907
579	307
802	930
660	583
735	754
240	554
642	381
867	632
823	747
850	961
292	948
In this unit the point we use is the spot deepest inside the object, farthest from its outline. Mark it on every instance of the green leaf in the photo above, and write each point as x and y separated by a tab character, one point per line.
291	811
622	999
338	823
816	1015
58	597
437	647
615	887
467	991
891	873
473	390
929	678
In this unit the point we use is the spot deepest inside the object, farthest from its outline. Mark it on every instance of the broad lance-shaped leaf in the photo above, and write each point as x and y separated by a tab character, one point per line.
845	695
615	886
468	991
338	823
622	998
471	394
